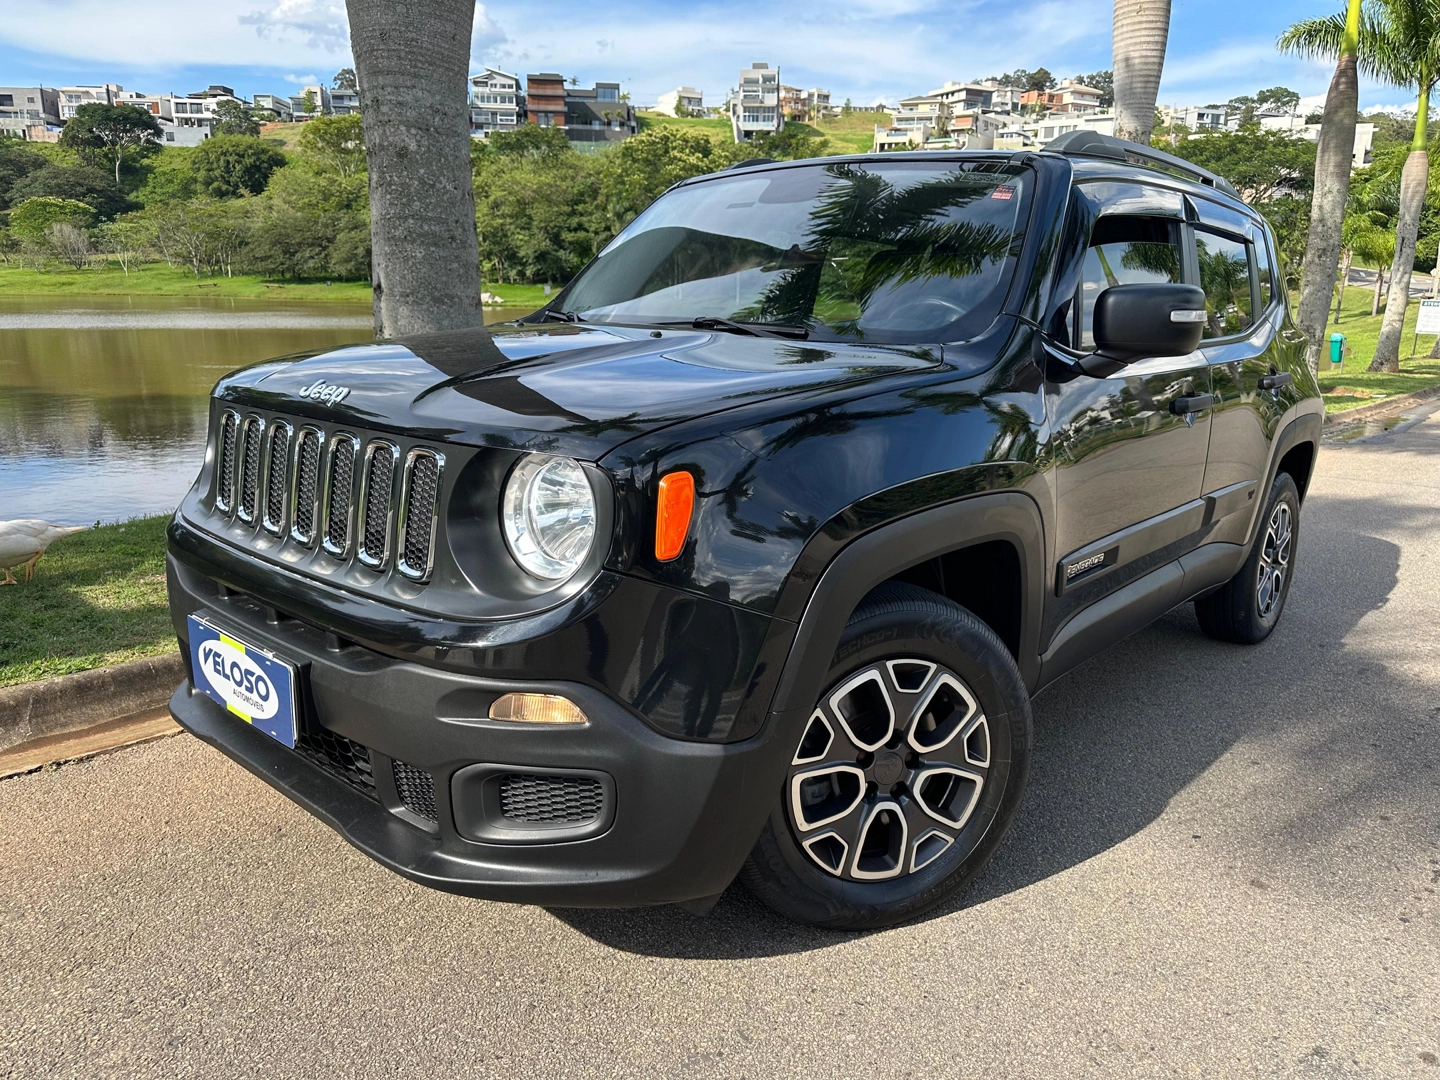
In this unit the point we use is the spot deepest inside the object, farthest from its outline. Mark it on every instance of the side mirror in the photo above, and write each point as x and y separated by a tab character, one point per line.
1137	321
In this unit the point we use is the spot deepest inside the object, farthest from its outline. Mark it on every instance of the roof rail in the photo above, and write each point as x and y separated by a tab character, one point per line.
1094	144
749	162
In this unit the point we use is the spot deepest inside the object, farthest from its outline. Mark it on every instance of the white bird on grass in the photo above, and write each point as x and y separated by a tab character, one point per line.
23	542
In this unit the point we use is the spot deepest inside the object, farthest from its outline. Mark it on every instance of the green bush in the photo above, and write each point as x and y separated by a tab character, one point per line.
31	220
77	183
228	166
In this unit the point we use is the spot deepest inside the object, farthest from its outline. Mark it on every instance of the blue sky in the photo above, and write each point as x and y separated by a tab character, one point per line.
866	50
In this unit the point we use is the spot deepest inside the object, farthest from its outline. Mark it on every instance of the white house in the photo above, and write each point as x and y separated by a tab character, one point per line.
495	102
692	100
755	104
72	97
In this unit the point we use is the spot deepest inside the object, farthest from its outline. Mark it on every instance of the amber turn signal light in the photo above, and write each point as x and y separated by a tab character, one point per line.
672	514
536	709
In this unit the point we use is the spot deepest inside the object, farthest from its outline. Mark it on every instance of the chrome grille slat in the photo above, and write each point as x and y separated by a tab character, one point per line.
377	512
420	513
225	464
305	484
277	465
248	501
339	497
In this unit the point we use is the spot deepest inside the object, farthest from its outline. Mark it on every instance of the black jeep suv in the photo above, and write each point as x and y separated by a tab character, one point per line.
745	555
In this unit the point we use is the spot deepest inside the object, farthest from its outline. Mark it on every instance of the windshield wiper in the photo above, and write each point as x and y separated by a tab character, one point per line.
780	330
561	316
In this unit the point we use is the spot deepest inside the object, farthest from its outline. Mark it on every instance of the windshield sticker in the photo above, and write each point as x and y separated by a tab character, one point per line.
1004	191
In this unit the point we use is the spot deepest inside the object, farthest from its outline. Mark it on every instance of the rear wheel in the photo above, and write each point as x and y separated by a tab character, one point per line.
1248	606
907	774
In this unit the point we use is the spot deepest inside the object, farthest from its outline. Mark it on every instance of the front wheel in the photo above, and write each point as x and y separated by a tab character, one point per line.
907	774
1247	607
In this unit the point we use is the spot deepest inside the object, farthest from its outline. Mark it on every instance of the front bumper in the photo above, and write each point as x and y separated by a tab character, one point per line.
680	818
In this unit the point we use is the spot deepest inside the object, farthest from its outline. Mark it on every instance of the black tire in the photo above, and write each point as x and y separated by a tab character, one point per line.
1246	609
894	624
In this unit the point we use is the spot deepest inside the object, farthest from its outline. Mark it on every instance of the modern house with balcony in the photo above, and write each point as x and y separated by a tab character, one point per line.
72	97
496	102
755	104
545	99
274	103
598	115
344	102
29	112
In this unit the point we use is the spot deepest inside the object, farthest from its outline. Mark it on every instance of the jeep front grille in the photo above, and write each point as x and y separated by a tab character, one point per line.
420	513
251	434
377	484
340	494
277	467
359	497
225	466
306	482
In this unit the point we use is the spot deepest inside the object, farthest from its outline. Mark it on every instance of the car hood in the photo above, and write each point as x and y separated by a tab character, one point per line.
566	389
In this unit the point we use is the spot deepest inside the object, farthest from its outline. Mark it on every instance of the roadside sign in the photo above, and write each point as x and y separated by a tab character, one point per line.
1428	321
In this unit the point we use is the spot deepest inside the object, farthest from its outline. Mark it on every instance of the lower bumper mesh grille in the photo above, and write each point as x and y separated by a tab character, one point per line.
551	800
339	756
416	789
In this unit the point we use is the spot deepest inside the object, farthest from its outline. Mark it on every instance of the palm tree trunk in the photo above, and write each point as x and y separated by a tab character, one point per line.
1379	288
1413	180
1141	29
1345	262
412	61
1333	160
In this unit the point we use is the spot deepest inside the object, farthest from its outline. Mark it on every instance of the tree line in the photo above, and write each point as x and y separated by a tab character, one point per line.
242	203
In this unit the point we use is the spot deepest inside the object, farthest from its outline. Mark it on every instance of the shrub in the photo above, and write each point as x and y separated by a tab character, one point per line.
227	166
31	220
80	183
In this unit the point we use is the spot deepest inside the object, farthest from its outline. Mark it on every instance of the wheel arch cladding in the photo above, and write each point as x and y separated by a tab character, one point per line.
893	552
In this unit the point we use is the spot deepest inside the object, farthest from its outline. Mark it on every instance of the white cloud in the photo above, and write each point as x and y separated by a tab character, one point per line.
321	24
302	80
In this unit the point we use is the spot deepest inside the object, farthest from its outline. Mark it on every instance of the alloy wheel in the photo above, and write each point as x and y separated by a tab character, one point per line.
889	770
1274	560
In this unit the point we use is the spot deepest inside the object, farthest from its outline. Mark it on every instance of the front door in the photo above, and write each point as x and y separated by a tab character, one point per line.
1129	450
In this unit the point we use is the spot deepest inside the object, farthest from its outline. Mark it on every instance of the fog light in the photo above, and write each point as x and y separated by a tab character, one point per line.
536	709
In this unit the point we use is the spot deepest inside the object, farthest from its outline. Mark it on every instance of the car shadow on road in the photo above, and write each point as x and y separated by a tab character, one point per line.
1115	740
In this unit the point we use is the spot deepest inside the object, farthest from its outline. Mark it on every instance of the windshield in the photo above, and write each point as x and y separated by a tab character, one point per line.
888	251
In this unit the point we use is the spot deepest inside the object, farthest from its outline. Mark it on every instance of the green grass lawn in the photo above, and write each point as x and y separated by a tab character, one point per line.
1353	386
853	134
98	598
161	279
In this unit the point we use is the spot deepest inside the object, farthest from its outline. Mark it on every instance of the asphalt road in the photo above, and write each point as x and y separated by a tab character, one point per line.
1227	866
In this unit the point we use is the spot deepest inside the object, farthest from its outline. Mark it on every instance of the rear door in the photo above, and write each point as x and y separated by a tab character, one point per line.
1248	346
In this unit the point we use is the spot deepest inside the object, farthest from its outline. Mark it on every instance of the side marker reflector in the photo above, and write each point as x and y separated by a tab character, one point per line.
672	514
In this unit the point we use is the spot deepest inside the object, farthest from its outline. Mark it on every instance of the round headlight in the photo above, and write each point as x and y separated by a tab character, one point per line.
549	516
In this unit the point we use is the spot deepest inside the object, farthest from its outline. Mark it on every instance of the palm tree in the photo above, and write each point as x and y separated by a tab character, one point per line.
1398	41
411	61
1332	176
1142	28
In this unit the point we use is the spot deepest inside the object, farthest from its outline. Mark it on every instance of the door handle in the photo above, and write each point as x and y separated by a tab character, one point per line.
1191	403
1274	381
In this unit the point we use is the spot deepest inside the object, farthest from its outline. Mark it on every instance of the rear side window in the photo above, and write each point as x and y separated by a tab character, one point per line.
1265	272
1126	250
1225	276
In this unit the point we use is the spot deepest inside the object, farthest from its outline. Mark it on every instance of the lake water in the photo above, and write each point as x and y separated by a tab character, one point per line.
103	399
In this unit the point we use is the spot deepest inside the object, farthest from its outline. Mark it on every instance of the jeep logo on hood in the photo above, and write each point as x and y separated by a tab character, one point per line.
321	391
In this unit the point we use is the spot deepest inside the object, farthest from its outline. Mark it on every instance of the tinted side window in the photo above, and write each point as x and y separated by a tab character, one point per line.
1124	251
1225	277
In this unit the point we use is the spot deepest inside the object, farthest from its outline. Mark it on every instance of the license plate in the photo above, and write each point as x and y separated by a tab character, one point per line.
254	684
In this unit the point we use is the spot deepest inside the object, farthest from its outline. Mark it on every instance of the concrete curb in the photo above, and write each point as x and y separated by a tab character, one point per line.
86	699
1388	407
